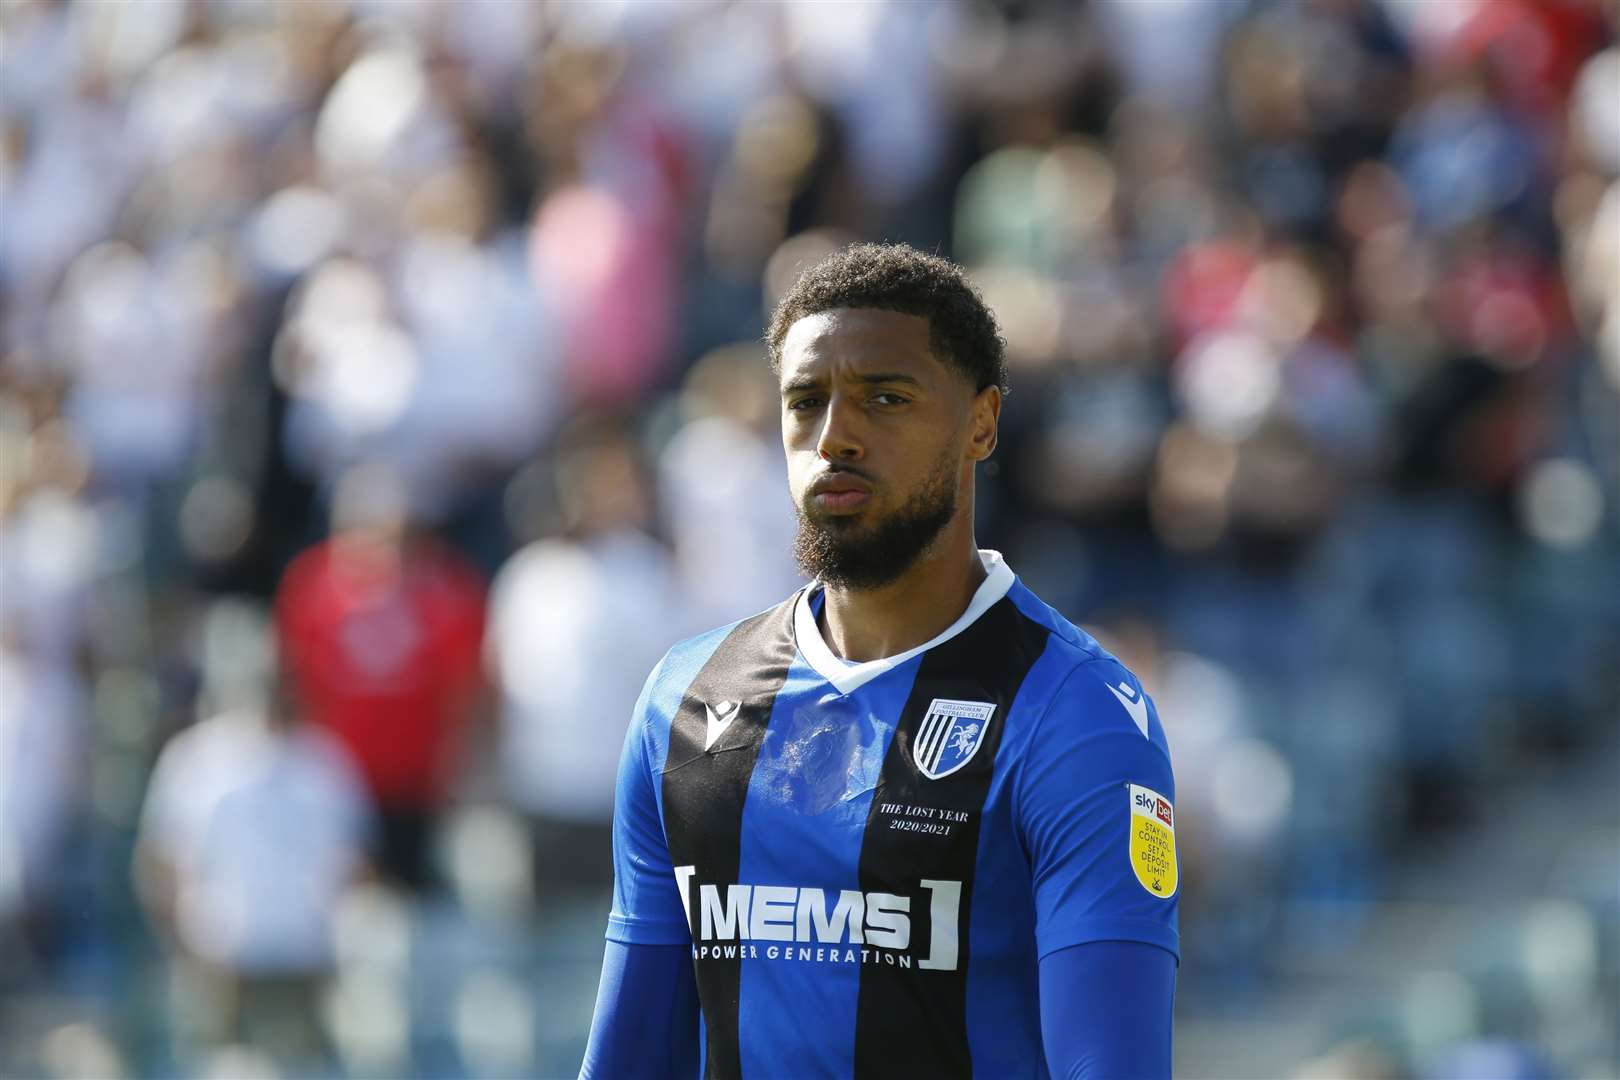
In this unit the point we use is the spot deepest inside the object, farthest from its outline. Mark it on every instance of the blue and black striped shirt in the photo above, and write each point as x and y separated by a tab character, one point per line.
869	860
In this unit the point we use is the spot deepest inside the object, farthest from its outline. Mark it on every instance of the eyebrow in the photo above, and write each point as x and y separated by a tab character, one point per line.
874	378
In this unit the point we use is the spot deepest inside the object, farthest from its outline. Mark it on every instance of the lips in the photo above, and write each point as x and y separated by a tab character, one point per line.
839	492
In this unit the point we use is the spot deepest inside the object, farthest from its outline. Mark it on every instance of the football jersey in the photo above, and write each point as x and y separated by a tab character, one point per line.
868	860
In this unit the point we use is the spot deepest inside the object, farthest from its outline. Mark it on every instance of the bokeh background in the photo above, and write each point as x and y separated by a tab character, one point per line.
382	391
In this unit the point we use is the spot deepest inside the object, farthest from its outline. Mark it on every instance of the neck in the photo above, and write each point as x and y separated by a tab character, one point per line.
869	624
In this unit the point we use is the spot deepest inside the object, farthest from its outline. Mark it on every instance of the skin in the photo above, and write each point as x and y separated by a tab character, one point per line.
866	402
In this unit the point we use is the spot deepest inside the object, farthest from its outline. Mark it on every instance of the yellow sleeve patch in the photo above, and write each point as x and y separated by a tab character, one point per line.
1153	841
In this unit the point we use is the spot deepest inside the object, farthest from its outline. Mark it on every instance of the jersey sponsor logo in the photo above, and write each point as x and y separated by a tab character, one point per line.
1134	703
867	927
950	734
1153	841
718	718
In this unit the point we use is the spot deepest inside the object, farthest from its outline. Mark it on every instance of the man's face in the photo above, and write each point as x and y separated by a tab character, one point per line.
881	437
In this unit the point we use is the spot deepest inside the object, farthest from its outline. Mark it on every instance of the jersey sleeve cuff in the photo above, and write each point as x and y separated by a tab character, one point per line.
1146	931
627	930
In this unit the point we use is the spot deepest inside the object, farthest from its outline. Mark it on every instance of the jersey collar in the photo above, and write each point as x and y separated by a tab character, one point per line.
845	677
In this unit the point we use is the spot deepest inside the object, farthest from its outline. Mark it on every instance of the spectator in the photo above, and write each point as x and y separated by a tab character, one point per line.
254	825
576	621
733	546
381	631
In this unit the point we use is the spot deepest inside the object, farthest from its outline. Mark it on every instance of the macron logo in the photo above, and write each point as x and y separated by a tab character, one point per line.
719	718
1134	704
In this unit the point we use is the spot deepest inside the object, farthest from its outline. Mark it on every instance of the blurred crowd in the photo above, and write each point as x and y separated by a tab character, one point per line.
382	391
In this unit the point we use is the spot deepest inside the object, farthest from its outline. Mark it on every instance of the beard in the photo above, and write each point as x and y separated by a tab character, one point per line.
848	552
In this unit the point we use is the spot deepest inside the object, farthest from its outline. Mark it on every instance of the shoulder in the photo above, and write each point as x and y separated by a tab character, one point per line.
304	573
1092	693
213	744
440	570
323	757
198	764
1064	636
682	661
672	679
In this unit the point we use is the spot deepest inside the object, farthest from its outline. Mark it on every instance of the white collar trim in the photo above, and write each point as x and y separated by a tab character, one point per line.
845	677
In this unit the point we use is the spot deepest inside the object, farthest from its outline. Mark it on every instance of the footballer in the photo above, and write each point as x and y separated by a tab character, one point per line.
910	822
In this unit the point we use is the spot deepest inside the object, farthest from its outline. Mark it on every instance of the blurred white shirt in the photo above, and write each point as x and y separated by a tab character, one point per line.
574	630
264	830
724	491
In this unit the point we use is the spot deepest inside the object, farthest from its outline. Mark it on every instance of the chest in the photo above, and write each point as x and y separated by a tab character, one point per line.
877	790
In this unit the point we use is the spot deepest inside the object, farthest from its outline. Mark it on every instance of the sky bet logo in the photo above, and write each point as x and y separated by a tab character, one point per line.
1158	807
785	922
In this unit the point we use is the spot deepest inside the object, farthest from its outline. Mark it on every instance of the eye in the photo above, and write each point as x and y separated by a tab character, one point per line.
888	397
802	404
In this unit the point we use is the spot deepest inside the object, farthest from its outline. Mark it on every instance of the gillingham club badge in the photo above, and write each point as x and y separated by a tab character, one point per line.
951	733
1153	841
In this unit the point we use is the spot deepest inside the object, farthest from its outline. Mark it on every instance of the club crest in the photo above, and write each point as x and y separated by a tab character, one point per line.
950	734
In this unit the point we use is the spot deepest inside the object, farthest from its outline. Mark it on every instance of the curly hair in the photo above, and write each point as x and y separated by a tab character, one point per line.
894	277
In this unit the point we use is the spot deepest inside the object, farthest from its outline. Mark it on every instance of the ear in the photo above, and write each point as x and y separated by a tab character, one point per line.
984	417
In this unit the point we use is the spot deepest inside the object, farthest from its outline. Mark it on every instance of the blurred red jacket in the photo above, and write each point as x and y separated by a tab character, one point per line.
383	649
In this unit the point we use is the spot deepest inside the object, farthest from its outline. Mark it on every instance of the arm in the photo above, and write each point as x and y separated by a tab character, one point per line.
1097	819
646	1022
1105	1010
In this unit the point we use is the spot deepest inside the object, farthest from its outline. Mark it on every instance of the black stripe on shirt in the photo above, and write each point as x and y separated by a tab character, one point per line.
704	791
912	1022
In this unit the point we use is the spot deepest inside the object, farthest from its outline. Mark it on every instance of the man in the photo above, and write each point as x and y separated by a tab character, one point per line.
910	822
255	824
567	640
381	629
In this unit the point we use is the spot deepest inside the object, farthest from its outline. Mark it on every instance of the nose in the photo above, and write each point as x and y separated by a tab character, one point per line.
839	439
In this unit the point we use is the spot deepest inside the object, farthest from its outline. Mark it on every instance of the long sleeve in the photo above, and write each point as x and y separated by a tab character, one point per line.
1106	1011
646	1021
